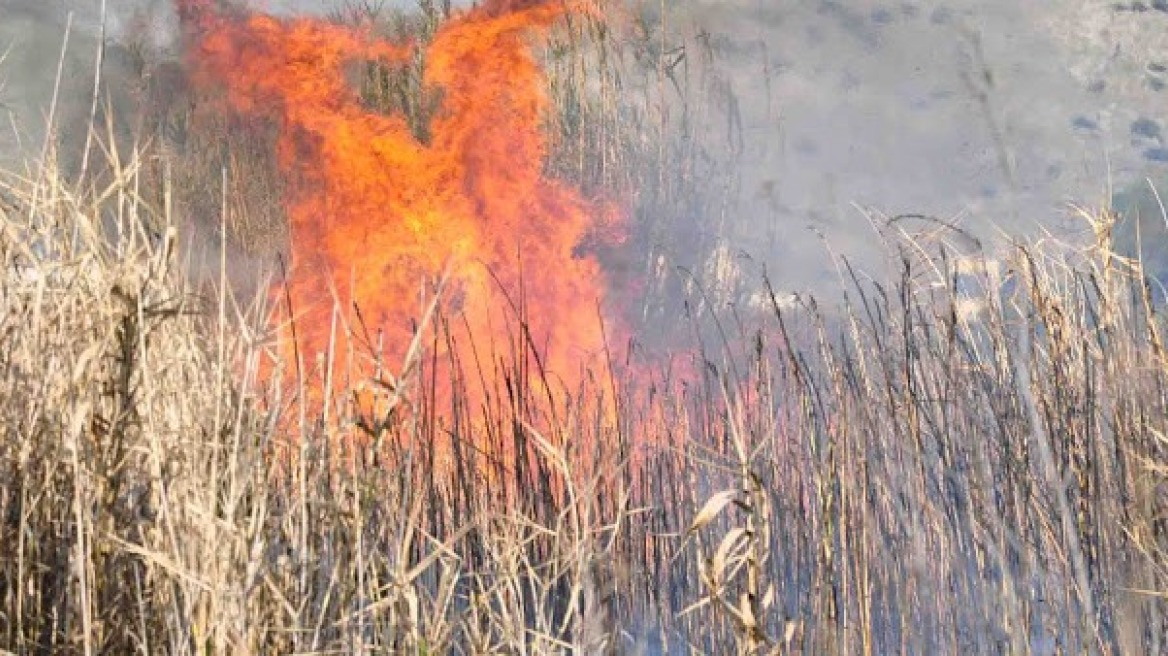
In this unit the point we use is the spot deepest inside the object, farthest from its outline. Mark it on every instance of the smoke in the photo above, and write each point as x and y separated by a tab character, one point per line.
142	89
34	34
837	115
819	118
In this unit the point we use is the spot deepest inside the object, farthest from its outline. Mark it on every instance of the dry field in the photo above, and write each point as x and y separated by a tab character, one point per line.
968	456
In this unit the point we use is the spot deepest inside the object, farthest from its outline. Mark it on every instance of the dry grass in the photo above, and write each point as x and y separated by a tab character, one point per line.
967	457
901	477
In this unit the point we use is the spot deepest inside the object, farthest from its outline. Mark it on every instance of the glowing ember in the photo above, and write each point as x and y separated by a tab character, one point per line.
374	211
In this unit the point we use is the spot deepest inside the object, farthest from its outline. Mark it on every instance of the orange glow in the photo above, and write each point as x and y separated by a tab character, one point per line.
374	212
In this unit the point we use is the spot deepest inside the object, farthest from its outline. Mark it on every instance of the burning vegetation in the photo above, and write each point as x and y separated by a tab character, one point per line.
968	457
379	214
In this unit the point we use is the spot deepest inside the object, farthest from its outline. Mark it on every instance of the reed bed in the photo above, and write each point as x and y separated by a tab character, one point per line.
967	454
969	457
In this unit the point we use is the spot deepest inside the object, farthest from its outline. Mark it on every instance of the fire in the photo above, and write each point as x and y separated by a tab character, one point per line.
374	211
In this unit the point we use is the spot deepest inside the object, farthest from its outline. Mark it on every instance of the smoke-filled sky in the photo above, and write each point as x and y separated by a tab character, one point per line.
997	112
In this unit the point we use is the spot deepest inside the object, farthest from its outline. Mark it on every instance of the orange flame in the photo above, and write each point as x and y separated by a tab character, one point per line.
374	211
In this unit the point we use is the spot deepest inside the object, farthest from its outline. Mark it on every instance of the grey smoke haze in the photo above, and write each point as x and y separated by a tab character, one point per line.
995	112
32	34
